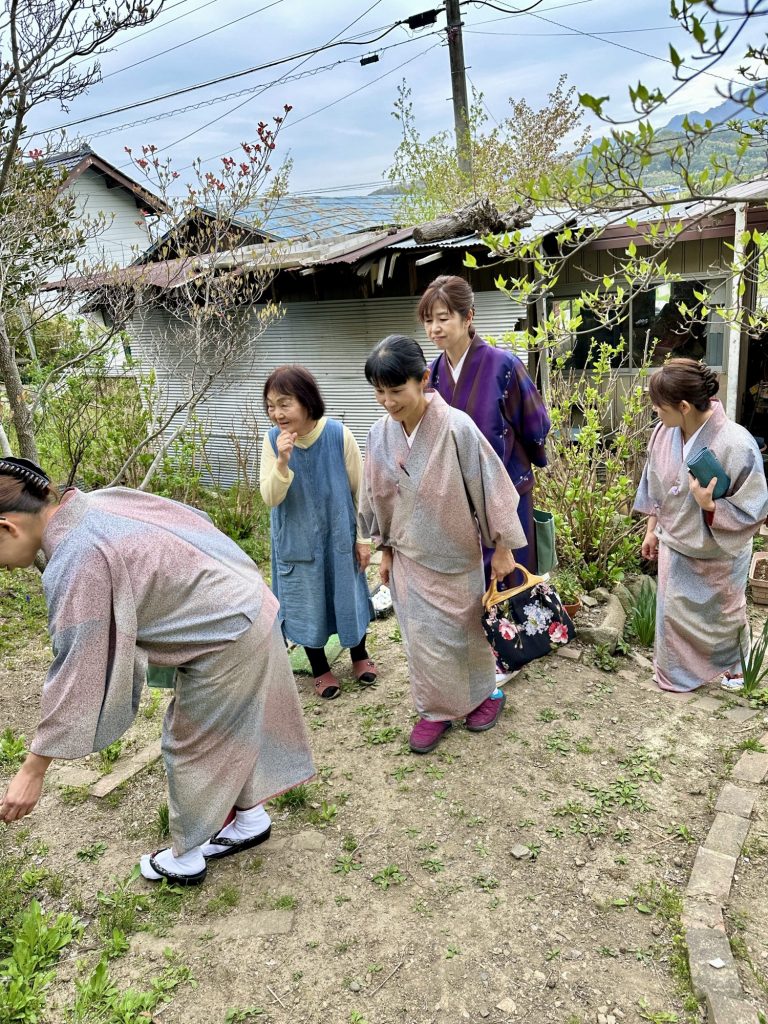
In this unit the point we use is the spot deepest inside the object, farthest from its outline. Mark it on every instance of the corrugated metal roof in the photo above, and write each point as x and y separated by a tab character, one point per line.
307	216
444	243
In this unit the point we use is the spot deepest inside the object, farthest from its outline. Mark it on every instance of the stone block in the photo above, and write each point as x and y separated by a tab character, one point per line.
727	834
609	629
646	682
74	775
735	800
739	714
704	703
122	772
670	697
712	875
706	945
641	660
725	1010
574	653
750	767
702	913
625	597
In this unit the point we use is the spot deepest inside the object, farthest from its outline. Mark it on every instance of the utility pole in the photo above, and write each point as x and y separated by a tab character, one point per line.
458	86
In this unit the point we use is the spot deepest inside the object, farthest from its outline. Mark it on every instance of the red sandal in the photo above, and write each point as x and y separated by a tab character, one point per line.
327	686
365	671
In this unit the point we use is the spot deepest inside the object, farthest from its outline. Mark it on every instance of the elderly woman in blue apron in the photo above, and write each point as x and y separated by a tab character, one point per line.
311	469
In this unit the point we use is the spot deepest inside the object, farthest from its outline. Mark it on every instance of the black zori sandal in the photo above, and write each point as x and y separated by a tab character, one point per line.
173	877
232	846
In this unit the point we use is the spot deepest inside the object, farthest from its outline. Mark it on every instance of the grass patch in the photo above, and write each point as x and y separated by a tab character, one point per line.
13	750
23	612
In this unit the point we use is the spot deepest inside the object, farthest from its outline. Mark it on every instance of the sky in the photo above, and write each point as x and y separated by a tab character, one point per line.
341	134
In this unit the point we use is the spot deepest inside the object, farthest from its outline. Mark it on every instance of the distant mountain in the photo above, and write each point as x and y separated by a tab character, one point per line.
728	110
753	164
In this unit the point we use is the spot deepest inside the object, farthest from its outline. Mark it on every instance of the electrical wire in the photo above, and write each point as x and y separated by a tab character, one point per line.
133	36
526	35
233	110
313	113
194	39
610	42
262	86
222	78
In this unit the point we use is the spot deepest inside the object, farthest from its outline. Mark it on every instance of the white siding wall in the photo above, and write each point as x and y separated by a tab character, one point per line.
125	234
332	339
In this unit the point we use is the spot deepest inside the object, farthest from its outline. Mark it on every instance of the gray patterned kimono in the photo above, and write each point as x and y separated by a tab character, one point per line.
431	504
133	578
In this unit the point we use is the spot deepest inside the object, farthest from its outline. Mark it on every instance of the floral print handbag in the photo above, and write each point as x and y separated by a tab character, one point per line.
526	622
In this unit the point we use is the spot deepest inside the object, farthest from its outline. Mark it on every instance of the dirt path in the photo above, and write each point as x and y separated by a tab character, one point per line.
395	893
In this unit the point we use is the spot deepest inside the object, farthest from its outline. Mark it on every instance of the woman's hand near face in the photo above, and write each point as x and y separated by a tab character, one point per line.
285	445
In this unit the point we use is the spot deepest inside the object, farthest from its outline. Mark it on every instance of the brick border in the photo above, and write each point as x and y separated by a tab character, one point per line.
714	976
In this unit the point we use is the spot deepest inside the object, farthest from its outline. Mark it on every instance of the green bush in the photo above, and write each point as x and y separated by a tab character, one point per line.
596	450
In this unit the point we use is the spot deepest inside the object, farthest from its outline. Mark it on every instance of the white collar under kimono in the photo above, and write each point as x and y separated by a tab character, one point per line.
688	446
409	438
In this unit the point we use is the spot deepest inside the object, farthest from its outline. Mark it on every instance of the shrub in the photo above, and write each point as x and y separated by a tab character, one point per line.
597	449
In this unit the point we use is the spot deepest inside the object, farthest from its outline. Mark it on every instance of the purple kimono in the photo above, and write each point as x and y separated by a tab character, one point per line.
495	391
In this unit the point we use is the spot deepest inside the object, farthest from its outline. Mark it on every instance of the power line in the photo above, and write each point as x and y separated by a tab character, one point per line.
217	81
158	24
526	35
610	42
194	39
226	113
327	106
292	124
262	86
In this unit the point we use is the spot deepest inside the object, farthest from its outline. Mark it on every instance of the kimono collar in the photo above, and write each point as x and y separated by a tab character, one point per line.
71	511
710	428
429	425
475	342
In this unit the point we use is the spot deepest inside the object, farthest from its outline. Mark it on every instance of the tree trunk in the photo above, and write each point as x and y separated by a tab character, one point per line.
5	447
14	389
479	216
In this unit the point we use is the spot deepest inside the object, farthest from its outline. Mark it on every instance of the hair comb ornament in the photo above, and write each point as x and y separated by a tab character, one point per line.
26	471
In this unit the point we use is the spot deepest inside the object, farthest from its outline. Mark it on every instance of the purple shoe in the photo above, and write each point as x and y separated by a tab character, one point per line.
425	735
486	714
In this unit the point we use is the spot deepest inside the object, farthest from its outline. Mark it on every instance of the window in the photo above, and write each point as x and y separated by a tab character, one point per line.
656	322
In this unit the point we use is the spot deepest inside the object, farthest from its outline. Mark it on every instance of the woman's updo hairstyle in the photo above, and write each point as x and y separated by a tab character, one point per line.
24	487
683	380
454	291
395	360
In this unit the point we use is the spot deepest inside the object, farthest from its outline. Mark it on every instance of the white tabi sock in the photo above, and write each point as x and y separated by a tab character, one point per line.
246	825
189	863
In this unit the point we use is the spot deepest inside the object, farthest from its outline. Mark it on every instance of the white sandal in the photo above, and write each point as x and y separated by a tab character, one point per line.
732	682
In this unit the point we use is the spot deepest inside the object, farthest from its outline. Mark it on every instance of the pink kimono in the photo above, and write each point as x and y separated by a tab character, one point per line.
431	504
703	559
